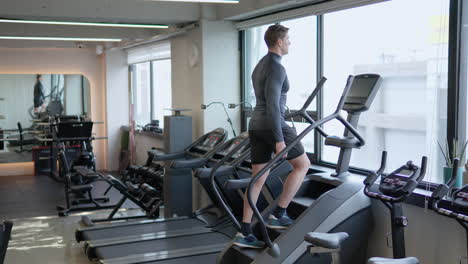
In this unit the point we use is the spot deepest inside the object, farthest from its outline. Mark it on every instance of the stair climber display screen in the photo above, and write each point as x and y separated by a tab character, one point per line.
362	92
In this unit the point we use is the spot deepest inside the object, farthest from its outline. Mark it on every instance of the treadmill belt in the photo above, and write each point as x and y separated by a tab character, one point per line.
205	259
142	247
131	230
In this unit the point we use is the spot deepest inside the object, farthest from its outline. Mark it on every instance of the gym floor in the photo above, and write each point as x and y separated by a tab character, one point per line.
39	235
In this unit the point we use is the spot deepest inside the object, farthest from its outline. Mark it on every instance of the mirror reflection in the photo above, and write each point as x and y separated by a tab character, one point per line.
25	99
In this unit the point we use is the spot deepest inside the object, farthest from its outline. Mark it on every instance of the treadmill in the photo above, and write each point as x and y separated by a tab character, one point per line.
183	246
147	230
178	165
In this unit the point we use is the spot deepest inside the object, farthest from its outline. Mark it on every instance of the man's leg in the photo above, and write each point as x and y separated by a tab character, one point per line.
245	238
279	219
256	188
294	181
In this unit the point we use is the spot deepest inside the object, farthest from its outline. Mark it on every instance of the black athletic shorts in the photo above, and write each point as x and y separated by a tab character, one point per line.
262	145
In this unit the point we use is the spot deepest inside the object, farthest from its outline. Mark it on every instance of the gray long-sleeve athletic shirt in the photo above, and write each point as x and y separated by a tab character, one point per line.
271	85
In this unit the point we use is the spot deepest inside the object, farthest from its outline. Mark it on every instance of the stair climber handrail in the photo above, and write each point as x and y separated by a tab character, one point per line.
274	250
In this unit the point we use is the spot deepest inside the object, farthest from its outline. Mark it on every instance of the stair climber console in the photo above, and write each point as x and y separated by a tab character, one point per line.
324	203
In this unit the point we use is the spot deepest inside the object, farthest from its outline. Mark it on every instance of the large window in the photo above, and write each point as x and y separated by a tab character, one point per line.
151	91
161	95
300	65
404	43
141	93
409	114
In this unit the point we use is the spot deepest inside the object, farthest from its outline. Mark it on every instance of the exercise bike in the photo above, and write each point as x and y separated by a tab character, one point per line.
458	209
394	188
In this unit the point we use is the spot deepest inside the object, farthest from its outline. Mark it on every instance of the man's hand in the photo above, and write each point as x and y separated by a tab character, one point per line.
279	147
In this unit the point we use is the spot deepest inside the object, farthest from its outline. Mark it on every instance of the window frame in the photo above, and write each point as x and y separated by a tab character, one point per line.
456	97
133	83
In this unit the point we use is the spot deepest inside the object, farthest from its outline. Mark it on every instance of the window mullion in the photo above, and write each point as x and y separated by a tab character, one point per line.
318	146
152	117
453	85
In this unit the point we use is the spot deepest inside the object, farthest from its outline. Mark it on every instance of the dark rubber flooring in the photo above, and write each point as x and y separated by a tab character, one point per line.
31	196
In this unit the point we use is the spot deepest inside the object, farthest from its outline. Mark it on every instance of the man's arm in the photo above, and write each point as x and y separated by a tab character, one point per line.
273	86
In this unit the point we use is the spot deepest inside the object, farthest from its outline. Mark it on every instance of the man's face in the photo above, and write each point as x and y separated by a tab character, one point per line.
284	44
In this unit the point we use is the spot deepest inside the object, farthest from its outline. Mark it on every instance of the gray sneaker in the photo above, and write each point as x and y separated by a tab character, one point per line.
279	223
249	241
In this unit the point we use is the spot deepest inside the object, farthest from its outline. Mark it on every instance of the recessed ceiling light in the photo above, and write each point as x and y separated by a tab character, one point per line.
199	1
81	23
62	39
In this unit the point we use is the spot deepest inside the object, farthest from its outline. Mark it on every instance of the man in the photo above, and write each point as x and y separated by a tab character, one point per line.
39	98
269	133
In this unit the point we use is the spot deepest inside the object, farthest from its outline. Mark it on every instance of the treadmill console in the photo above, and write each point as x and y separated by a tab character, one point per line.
207	143
362	92
231	146
394	184
211	141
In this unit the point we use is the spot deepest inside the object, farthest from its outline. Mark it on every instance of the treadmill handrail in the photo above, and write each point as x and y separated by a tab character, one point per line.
214	185
201	139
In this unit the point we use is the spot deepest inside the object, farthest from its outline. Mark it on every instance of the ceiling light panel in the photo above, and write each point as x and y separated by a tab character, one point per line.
199	1
62	39
81	23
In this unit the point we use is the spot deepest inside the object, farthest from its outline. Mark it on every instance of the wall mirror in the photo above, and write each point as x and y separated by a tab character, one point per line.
25	97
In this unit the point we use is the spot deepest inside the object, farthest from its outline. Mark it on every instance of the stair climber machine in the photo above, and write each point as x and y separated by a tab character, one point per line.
147	192
394	188
179	236
456	207
324	203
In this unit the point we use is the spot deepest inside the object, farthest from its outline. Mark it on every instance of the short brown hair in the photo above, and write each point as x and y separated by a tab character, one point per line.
274	33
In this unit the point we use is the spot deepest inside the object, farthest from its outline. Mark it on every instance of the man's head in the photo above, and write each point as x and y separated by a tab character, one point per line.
277	39
38	77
